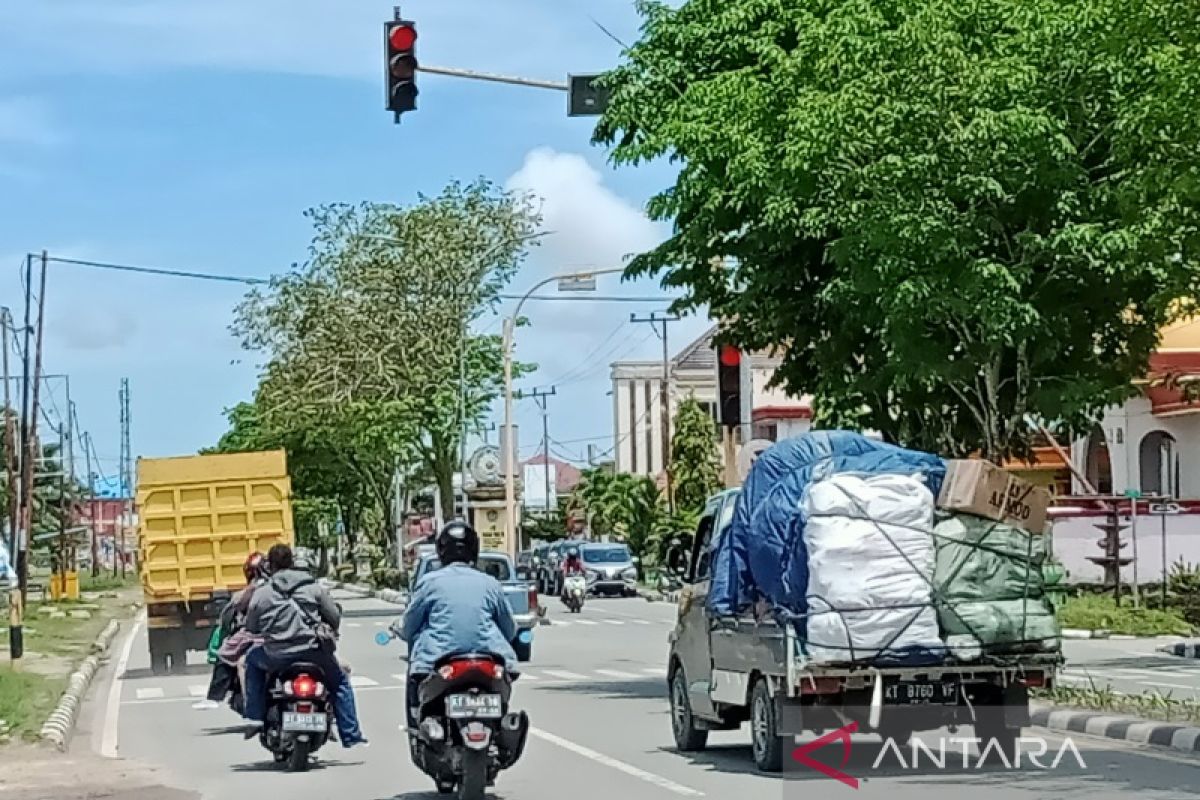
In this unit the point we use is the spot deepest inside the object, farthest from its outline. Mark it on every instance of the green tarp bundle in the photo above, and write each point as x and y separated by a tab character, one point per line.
989	581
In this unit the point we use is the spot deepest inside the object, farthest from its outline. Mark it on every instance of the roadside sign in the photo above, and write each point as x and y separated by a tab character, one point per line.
749	453
1166	509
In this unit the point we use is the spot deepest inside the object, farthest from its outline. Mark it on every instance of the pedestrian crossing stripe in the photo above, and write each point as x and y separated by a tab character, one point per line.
359	681
149	694
615	673
564	674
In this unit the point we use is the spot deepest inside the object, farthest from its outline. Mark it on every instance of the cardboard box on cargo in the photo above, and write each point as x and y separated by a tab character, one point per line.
981	488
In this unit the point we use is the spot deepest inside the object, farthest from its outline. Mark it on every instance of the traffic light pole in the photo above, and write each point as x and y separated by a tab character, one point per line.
491	77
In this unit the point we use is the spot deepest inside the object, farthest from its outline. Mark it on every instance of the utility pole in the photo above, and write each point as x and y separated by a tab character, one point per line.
32	451
655	319
63	433
126	478
539	396
10	489
91	478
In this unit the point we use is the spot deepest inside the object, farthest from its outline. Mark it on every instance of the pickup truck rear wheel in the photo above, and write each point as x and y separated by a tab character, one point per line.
688	738
765	741
524	650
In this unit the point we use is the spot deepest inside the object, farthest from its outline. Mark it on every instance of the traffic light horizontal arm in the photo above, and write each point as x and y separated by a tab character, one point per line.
455	72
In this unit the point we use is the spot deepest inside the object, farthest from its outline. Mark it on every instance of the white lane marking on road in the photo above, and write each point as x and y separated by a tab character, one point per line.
660	671
525	676
152	693
561	623
400	676
616	673
353	624
380	624
620	766
359	681
614	622
586	622
640	621
564	674
197	690
110	738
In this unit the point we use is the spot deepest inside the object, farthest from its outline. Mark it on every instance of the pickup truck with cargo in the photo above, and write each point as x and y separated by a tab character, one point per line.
522	595
724	672
199	517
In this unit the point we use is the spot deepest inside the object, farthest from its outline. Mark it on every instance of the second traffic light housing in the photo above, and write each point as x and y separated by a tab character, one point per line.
400	41
729	385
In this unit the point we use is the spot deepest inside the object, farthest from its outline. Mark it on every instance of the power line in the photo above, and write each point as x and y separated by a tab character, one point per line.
250	281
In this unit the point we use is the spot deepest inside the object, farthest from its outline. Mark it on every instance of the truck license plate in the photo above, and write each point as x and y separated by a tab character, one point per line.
304	723
473	706
921	693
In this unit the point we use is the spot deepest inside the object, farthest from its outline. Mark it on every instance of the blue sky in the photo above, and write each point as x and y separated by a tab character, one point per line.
194	134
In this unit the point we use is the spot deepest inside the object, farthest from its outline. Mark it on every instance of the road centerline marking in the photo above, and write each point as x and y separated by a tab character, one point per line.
620	766
564	674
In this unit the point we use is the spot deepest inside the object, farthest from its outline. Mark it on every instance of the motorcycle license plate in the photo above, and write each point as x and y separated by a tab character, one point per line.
921	693
473	706
304	723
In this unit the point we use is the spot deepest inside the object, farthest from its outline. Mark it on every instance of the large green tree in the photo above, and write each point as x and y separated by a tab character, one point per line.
947	215
373	335
695	459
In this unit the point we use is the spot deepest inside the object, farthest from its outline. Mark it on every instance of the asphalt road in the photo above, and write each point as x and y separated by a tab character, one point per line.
595	695
1130	667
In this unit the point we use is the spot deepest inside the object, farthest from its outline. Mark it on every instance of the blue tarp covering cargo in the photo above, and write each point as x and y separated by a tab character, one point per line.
763	555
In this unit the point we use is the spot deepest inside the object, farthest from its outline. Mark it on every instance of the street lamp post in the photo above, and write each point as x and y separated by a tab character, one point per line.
568	281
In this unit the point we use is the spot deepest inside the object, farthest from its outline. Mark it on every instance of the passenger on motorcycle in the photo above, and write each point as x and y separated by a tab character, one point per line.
230	639
286	611
456	609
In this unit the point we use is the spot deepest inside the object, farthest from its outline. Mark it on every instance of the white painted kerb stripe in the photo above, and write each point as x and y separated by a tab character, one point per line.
110	739
620	766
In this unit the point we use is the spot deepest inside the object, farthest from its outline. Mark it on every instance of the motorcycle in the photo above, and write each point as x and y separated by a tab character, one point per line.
574	592
467	734
299	716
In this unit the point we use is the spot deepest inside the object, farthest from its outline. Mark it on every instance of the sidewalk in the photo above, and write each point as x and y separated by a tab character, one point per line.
37	773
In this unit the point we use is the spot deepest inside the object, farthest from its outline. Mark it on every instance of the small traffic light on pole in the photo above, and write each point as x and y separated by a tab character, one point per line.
400	40
729	385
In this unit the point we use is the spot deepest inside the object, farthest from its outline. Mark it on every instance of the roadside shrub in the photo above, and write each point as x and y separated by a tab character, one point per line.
1095	612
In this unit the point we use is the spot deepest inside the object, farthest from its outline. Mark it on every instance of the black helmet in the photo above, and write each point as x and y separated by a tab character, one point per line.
457	542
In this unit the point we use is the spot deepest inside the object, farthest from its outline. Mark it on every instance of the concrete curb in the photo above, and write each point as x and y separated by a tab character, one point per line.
1184	738
1081	633
58	726
386	595
1182	649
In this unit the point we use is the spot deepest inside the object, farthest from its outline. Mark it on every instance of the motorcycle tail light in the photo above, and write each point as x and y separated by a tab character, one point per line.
304	686
457	669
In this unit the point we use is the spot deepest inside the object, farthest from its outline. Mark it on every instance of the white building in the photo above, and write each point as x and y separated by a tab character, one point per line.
637	388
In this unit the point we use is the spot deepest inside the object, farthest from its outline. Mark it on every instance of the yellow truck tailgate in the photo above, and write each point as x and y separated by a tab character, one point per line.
200	516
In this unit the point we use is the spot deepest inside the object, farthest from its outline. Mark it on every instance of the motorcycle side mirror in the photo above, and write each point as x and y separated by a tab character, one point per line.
382	639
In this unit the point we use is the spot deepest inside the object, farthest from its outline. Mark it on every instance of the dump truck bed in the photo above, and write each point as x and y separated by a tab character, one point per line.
200	516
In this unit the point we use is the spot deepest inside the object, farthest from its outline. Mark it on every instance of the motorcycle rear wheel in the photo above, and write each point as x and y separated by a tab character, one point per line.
474	777
298	758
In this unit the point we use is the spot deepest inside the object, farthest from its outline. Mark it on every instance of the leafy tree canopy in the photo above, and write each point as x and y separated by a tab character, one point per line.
947	215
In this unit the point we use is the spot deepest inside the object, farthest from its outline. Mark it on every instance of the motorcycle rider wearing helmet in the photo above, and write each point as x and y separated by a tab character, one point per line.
572	566
455	609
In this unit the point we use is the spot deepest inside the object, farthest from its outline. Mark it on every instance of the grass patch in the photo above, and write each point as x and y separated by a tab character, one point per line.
1148	705
1100	612
106	582
26	700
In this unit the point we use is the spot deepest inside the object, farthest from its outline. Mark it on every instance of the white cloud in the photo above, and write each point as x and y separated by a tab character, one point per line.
27	121
592	225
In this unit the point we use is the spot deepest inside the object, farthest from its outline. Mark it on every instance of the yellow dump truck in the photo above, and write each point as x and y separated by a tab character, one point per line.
198	519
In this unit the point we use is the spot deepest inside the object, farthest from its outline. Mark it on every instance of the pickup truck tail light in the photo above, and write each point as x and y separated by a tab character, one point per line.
533	600
1033	679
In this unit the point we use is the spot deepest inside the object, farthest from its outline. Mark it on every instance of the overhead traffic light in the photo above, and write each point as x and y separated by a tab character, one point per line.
400	40
729	385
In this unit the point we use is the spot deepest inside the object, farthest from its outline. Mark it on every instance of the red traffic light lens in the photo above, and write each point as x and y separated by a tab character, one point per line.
403	37
730	355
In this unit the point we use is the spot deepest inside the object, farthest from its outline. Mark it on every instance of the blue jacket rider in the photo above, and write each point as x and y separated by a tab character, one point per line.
456	609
